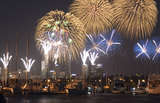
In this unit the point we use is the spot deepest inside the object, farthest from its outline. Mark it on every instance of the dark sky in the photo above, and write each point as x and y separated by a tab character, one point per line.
18	21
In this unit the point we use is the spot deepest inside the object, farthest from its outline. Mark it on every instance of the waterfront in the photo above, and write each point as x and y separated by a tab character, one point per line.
105	98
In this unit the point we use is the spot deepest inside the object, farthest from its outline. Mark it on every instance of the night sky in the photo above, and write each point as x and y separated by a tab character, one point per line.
18	20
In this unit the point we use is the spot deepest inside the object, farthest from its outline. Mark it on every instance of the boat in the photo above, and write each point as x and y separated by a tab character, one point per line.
118	87
153	85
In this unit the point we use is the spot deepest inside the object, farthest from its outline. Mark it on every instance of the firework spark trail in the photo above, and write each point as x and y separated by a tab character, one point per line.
110	42
45	46
157	50
62	31
95	46
28	63
6	59
96	15
143	49
84	55
135	18
56	57
92	57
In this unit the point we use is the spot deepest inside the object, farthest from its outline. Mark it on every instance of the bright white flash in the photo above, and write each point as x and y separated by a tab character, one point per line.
84	56
92	57
28	63
110	42
157	49
143	50
56	55
6	59
95	45
58	43
46	46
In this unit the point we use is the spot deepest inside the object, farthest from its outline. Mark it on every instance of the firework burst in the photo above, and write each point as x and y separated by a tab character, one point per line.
136	18
45	46
5	60
92	57
63	32
94	43
84	56
27	63
108	43
96	15
142	50
157	49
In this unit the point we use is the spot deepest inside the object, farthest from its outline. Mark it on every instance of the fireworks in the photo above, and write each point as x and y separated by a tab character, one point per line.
149	49
27	63
110	42
45	46
56	57
94	44
96	15
92	57
61	32
157	50
5	60
84	56
143	50
136	18
103	43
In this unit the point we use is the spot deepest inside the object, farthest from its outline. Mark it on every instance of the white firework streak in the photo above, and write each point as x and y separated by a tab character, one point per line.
110	42
95	46
6	59
84	56
56	55
46	46
157	49
92	57
143	50
58	49
27	63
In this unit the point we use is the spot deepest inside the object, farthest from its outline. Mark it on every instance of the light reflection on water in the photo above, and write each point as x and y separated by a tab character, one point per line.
26	101
84	99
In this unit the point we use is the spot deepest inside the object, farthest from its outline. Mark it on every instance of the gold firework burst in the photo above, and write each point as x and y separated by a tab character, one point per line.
96	15
135	18
64	32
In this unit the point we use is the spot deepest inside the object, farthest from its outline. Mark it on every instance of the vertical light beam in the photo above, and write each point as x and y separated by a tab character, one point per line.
84	56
